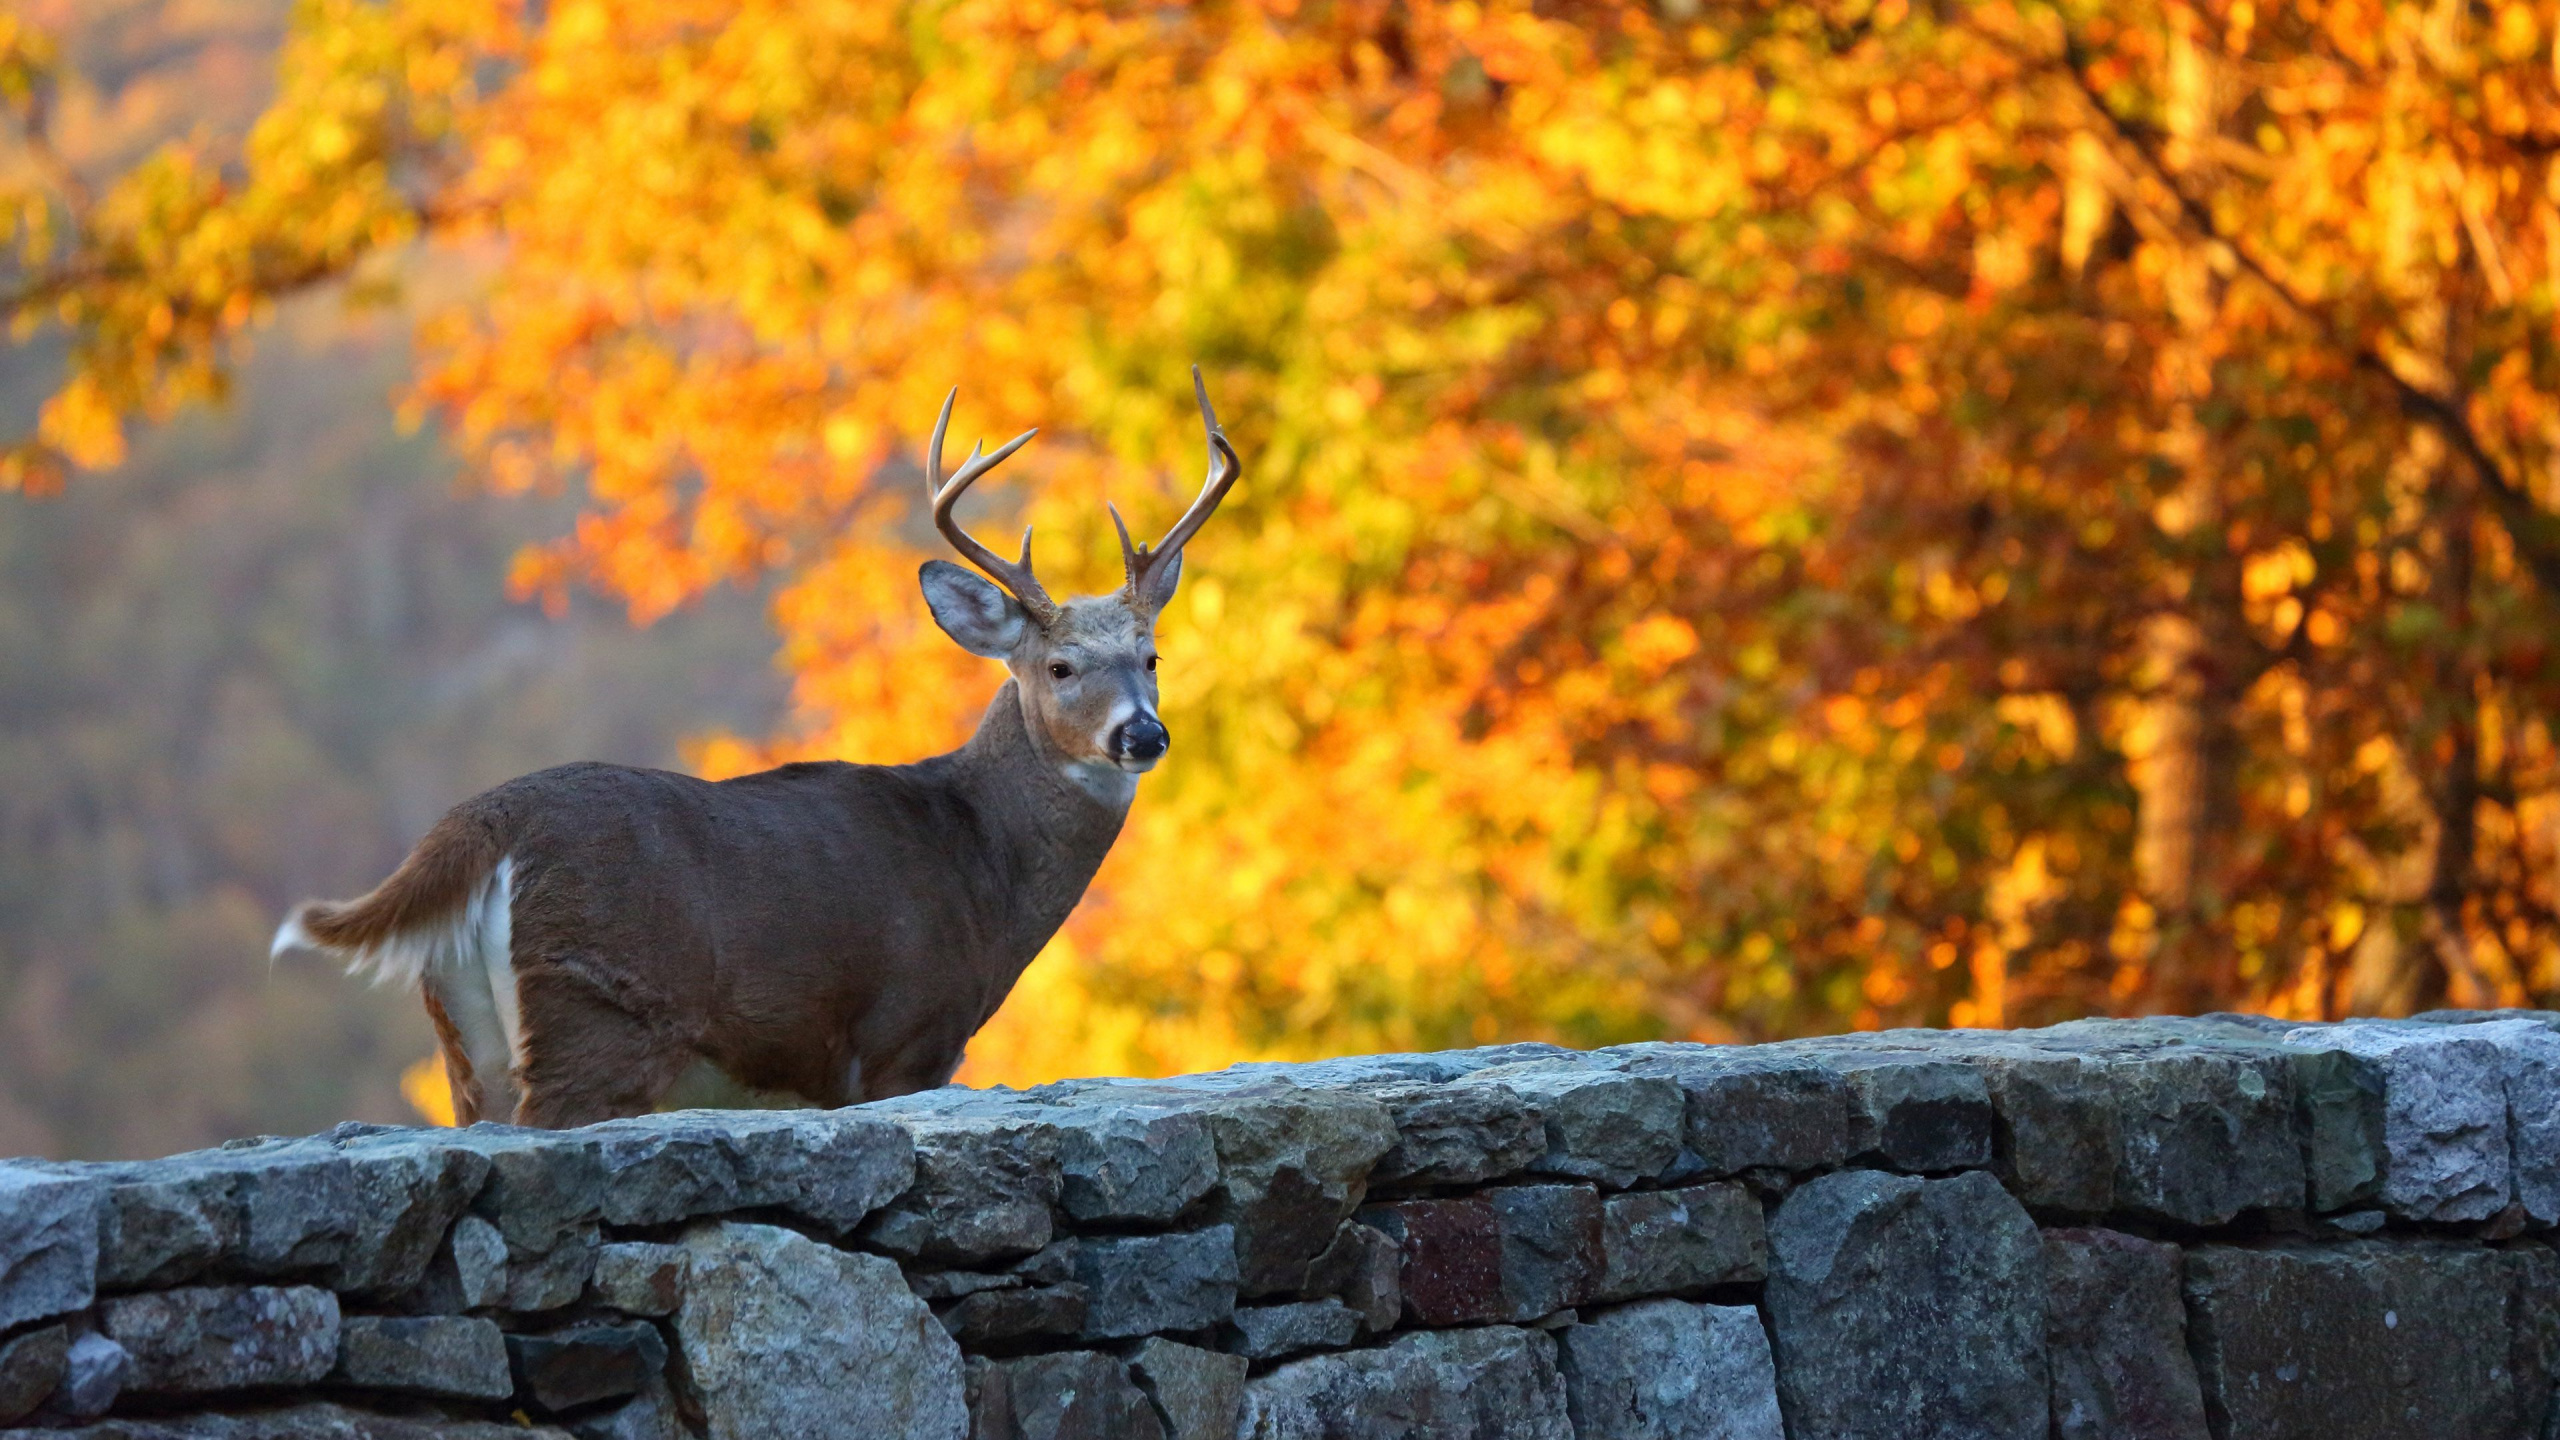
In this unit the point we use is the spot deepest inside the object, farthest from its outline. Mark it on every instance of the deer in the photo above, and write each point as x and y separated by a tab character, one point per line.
584	935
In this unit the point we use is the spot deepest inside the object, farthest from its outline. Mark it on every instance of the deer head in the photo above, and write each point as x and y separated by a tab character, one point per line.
1086	668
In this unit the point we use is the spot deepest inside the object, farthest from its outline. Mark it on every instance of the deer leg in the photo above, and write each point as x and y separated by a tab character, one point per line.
586	1058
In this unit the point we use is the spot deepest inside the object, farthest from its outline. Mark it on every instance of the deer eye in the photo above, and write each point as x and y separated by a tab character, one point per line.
1061	669
1151	664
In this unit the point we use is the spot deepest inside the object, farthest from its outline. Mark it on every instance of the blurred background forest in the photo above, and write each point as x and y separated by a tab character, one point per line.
250	664
1760	516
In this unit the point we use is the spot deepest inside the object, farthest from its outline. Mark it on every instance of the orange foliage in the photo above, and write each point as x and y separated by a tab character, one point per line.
1758	516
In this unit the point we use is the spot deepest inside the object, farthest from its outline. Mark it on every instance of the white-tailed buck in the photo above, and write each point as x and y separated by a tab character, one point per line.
583	935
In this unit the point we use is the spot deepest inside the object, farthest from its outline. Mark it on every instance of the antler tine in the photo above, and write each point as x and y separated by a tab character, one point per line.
1224	467
1013	575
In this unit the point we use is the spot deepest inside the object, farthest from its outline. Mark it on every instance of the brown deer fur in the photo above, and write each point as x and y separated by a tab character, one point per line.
585	934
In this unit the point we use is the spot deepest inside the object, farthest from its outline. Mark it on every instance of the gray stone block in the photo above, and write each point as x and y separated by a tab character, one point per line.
453	1357
2530	1051
1132	1163
48	1243
1607	1126
208	1339
1669	1370
1876	1279
1746	1109
2358	1341
561	1370
1198	1393
1269	1332
1293	1165
2446	1155
830	1168
31	1366
535	1283
1551	1247
650	1415
1151	1284
991	1317
545	1187
1912	1112
985	1182
1495	1383
782	1336
1073	1395
1461	1134
638	1278
2116	1334
94	1372
1666	1242
295	1422
409	1187
1362	1269
2055	1135
469	1272
2207	1135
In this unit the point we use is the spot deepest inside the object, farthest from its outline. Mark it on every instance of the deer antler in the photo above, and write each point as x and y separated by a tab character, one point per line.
1013	575
1141	562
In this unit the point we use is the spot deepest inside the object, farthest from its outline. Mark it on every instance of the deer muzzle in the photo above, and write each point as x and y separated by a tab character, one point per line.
1141	740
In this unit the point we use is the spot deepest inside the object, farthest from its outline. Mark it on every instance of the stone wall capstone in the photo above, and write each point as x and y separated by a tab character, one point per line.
2223	1228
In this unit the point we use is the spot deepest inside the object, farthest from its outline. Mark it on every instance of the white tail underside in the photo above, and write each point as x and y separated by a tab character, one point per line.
464	959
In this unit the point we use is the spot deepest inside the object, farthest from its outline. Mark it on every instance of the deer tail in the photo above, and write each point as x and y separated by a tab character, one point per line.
438	912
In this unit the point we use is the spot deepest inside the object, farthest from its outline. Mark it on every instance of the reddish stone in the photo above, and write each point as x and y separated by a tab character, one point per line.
1452	1258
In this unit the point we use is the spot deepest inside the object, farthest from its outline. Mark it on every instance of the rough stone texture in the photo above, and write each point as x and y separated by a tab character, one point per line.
2446	1154
1745	1109
1495	1383
1602	1125
984	1184
1198	1393
996	1316
1075	1395
2206	1134
782	1336
649	1415
295	1422
1551	1247
565	1369
1875	1280
458	1357
1361	1269
1142	1284
1268	1332
2531	1073
360	1209
1668	1370
637	1278
1457	1135
546	1282
829	1168
48	1243
2055	1134
1914	1113
2359	1341
31	1365
2116	1335
94	1372
207	1339
1665	1242
1451	1257
1132	1163
1293	1164
468	1273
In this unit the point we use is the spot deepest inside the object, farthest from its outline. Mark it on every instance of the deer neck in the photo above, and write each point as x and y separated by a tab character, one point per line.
1049	819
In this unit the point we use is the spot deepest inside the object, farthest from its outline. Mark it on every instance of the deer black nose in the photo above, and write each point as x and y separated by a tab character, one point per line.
1142	739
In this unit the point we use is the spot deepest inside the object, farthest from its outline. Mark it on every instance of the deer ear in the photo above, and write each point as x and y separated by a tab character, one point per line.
985	620
1160	583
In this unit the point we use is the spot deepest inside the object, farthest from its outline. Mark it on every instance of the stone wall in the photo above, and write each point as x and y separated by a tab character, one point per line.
2225	1228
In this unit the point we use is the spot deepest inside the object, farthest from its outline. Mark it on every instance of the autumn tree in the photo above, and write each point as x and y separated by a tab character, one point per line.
1759	516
